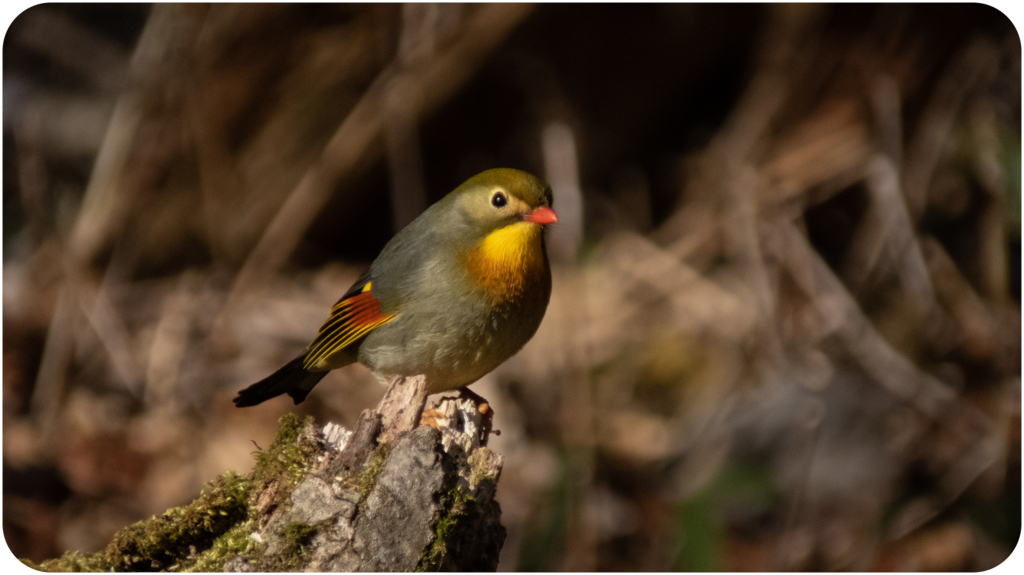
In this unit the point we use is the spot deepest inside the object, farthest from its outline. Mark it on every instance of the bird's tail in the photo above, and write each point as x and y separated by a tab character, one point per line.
292	379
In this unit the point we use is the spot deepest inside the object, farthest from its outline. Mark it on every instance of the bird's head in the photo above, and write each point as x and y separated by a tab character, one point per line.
504	197
502	214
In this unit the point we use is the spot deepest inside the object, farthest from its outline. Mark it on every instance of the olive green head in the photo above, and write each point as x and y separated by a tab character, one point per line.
500	197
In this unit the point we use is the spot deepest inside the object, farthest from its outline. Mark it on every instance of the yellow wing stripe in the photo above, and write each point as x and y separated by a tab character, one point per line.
351	319
338	327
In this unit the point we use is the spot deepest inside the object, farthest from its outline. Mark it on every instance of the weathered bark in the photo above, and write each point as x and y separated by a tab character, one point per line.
335	500
416	502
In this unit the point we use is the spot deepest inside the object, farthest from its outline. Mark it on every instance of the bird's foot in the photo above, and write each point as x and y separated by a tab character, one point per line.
467	414
483	407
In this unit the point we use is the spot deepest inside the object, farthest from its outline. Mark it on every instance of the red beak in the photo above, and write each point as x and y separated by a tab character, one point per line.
542	215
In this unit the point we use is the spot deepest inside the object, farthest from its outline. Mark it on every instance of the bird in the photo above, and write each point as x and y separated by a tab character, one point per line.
451	296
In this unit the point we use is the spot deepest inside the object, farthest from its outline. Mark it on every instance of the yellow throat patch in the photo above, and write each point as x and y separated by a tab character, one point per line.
508	260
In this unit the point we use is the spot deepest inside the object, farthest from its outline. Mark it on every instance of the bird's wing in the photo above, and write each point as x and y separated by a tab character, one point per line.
355	315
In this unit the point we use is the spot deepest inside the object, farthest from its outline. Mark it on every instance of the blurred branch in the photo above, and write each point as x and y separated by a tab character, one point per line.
992	253
104	207
741	226
417	44
50	379
886	228
106	321
887	109
405	166
977	63
975	325
561	171
32	177
170	341
59	37
218	182
830	149
779	50
107	197
838	310
736	143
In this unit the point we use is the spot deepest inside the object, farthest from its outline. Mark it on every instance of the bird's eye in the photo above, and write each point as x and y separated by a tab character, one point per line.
499	200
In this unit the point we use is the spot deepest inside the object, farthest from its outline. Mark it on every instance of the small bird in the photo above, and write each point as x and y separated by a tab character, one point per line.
451	296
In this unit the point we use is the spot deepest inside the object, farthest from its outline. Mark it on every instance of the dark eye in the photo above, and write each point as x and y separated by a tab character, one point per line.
499	200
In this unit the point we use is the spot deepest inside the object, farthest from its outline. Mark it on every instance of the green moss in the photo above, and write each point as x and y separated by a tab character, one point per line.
456	503
296	538
236	542
482	479
177	533
288	455
297	551
73	561
205	534
284	465
163	542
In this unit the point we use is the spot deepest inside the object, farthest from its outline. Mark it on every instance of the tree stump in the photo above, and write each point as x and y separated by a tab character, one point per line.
395	496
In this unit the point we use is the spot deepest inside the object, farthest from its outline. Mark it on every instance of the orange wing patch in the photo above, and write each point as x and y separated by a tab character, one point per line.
351	319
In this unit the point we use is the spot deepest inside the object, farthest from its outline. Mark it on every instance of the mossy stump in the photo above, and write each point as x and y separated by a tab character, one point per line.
315	502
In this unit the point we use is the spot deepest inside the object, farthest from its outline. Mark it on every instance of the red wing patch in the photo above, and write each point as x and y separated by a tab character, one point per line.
351	319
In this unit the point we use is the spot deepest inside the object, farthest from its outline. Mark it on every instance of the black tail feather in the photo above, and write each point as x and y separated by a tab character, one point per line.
291	379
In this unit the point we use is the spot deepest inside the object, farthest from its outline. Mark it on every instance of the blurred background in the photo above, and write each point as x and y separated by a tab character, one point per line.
785	327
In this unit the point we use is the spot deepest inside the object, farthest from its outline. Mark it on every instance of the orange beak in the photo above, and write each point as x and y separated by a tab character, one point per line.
542	215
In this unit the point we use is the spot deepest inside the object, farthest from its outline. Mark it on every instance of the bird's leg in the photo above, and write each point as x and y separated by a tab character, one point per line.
458	412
